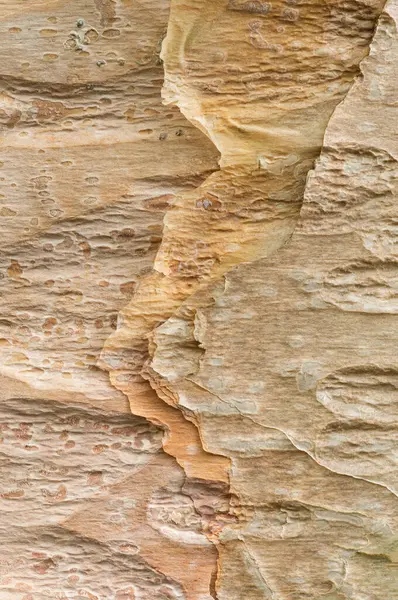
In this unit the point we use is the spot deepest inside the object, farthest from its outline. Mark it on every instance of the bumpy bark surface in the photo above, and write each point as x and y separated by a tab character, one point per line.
198	287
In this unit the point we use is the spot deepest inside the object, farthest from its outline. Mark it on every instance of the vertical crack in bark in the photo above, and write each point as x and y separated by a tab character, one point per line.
269	128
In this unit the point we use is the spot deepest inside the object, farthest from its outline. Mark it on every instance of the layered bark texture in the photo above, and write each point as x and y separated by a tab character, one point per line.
199	382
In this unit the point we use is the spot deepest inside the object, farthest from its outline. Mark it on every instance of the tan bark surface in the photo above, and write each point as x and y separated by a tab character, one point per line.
198	296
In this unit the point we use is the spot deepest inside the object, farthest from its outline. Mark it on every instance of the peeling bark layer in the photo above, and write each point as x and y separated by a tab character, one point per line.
198	271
